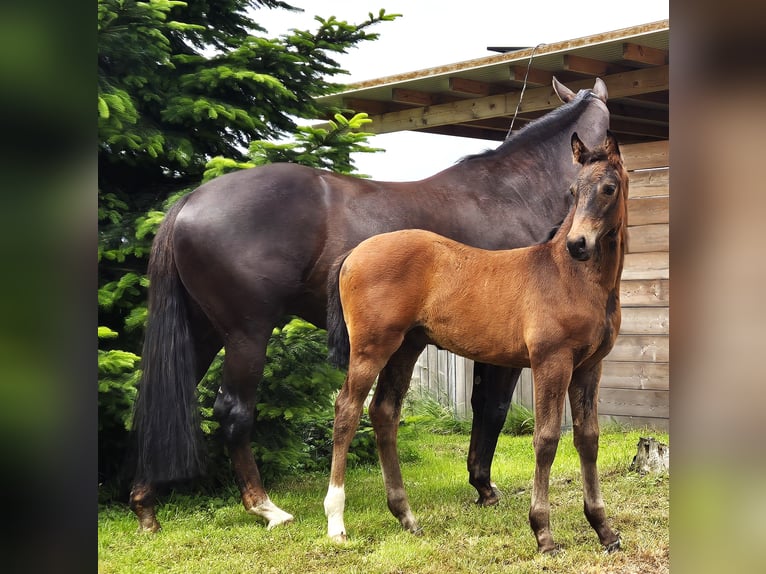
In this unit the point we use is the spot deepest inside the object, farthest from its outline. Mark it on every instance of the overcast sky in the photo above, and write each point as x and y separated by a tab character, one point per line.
433	33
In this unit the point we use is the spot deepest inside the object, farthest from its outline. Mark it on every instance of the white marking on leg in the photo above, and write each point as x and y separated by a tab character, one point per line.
272	513
334	504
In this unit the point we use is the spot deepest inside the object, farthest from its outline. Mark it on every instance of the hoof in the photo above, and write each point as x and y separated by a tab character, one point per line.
148	529
613	546
555	550
491	499
339	538
274	522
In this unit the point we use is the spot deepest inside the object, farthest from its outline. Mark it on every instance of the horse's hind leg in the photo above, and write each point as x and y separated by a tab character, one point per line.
143	495
234	408
385	410
490	400
583	398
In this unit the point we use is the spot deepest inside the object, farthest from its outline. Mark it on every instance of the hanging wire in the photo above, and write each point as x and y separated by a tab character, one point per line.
523	87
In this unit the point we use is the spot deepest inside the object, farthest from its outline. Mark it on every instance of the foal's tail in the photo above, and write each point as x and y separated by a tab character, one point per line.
168	442
338	343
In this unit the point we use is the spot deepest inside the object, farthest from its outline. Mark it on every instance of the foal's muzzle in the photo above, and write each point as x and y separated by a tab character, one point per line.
578	249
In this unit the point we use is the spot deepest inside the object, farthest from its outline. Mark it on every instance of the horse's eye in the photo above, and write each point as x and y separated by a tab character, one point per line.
610	188
572	189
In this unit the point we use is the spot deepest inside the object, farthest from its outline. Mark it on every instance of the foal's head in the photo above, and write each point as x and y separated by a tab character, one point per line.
600	196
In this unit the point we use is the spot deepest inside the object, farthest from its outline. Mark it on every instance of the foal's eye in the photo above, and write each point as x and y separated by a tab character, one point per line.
610	188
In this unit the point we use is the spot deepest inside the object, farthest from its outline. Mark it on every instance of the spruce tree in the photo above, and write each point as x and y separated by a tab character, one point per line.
187	91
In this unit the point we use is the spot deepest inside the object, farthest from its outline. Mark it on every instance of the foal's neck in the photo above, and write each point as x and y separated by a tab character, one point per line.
604	268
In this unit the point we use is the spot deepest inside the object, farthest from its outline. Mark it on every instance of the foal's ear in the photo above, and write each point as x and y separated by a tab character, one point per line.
612	147
565	94
579	151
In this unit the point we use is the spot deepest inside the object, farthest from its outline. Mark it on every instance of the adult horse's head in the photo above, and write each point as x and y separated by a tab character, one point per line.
600	195
594	121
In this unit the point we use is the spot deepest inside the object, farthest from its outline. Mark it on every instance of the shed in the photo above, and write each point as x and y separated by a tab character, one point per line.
478	98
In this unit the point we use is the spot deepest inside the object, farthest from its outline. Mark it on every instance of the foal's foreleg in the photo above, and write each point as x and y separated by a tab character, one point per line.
234	408
385	410
348	410
551	378
583	398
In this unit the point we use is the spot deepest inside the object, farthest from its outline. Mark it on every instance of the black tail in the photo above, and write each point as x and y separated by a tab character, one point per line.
166	426
337	333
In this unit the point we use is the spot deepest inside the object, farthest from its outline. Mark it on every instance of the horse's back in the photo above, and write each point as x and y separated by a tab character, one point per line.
246	242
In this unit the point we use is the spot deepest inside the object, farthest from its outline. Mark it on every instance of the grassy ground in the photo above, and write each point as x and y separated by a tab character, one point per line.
210	535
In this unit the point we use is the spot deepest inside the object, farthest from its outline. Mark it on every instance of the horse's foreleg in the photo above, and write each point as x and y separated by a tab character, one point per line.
385	410
234	408
551	378
348	410
490	400
583	398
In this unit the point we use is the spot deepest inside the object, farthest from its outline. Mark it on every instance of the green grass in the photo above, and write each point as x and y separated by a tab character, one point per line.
208	535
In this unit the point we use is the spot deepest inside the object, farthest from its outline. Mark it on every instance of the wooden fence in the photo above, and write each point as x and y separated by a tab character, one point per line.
635	384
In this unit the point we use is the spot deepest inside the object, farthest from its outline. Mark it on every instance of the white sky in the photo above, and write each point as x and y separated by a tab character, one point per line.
432	33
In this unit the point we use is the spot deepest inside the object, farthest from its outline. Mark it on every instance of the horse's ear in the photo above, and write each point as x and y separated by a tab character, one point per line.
565	94
599	88
578	150
612	147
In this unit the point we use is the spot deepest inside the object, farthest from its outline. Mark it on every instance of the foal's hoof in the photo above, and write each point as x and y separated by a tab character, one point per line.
613	546
278	521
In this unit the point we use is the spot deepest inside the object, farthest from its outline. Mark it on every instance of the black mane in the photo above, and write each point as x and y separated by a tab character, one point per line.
538	128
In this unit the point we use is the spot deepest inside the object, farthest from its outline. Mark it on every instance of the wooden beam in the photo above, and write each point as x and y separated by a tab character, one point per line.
591	67
411	97
648	210
646	155
536	77
645	293
469	87
619	86
643	348
654	265
635	375
649	183
644	54
625	127
371	107
647	238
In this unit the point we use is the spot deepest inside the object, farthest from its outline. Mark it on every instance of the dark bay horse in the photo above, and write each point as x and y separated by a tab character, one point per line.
554	306
248	248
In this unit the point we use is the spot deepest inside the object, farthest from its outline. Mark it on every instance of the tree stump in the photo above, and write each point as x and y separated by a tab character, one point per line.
651	456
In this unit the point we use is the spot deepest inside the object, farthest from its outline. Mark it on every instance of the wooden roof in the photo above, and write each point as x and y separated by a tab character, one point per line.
477	98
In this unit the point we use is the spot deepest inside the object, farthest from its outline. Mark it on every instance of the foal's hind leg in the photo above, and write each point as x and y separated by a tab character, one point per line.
583	398
348	410
490	400
234	408
385	410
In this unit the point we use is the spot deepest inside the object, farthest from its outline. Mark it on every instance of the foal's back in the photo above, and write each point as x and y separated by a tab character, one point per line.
477	303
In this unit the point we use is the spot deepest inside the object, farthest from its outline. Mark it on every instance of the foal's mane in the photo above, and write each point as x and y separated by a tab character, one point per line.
539	129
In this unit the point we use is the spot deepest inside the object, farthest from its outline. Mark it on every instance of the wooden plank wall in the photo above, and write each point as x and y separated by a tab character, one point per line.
635	384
